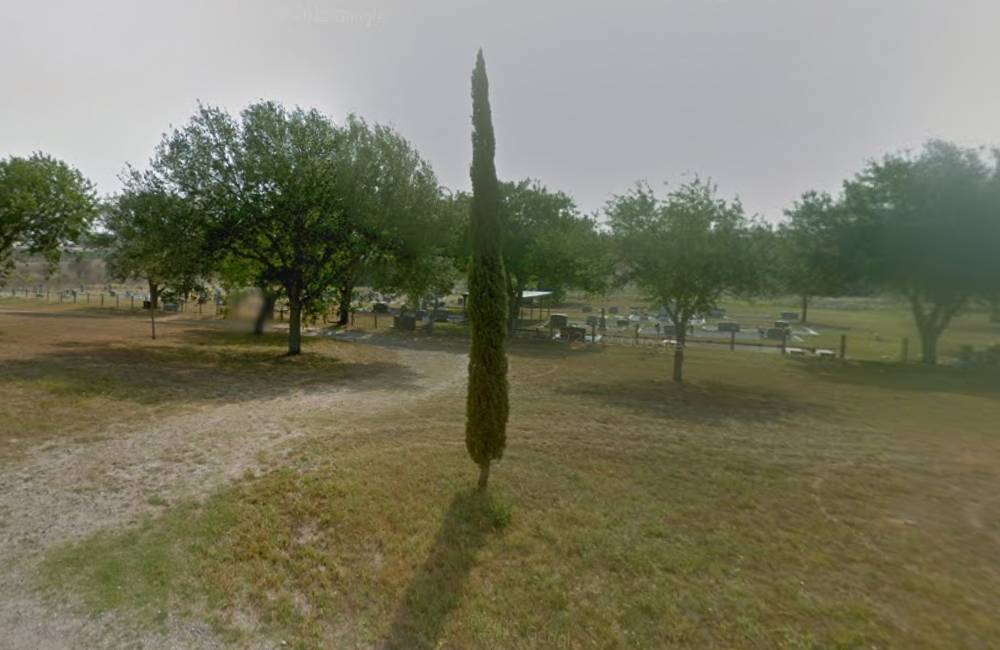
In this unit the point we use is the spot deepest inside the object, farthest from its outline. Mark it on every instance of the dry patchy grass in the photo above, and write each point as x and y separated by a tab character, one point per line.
73	373
768	503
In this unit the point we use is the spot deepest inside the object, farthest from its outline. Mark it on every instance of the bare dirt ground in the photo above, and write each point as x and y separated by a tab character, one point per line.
63	490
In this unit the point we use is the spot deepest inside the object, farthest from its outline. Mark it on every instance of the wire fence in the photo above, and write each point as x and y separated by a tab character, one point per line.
789	343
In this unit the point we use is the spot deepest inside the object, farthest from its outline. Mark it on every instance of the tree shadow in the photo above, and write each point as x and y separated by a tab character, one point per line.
704	402
976	382
204	367
542	348
79	312
438	587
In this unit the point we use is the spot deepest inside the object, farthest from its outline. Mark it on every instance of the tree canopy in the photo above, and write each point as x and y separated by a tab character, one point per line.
929	227
44	204
813	245
155	235
547	244
684	251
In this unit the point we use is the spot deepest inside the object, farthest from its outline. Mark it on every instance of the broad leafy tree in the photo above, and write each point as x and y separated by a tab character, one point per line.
548	245
487	405
265	184
684	251
44	204
928	224
154	234
392	202
815	259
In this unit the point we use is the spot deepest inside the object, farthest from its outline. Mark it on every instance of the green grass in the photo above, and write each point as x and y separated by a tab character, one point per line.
875	327
770	503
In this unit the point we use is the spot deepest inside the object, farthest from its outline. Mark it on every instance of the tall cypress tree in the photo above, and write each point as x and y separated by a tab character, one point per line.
486	405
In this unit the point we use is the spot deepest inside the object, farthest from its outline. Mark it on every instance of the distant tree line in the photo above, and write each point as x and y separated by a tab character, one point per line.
308	210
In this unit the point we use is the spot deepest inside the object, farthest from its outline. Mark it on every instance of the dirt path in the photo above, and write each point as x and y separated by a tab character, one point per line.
65	492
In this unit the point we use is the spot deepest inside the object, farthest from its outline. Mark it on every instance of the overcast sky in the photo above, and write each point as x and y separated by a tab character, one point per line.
767	97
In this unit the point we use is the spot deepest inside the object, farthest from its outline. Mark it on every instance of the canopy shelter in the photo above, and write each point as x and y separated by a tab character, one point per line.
533	300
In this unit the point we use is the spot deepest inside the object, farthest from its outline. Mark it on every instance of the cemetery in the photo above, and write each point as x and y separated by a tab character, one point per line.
296	351
95	364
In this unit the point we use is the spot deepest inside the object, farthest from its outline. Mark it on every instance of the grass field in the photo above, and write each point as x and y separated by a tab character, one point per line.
770	502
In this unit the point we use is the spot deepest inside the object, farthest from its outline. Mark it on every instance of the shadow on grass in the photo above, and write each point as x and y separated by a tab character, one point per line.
71	312
206	366
438	587
981	382
437	341
705	402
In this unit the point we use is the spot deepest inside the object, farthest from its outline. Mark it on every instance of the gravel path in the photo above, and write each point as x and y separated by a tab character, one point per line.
68	491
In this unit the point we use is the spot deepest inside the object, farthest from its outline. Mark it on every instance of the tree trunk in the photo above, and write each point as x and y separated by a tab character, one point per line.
484	476
294	327
805	308
344	306
928	345
266	311
154	293
680	337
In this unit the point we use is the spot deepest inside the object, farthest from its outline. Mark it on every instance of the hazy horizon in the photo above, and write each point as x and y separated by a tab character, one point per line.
768	98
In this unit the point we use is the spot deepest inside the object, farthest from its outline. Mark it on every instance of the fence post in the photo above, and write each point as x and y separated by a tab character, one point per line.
843	346
732	340
375	314
784	342
635	341
131	302
905	353
102	299
593	332
117	301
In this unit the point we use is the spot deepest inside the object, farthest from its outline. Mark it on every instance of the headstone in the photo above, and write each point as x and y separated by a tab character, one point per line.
404	323
717	313
782	324
440	315
381	308
558	321
593	320
728	327
613	310
790	316
572	334
775	334
622	322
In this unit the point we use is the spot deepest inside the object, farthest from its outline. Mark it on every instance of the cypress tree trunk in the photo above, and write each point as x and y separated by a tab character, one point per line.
487	401
266	311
